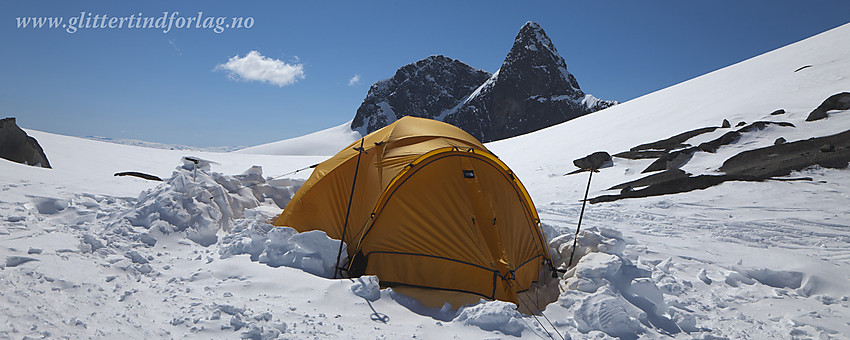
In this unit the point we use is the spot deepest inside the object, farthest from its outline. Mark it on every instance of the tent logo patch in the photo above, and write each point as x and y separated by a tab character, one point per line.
468	174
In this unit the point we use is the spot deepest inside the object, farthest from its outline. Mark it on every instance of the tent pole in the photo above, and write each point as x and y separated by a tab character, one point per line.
360	152
580	216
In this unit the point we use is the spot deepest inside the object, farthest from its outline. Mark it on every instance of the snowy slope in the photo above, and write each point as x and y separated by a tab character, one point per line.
84	254
782	230
325	143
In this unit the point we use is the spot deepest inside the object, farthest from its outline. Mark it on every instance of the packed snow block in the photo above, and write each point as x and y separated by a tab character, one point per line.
134	256
90	243
367	287
594	161
493	316
14	261
247	237
777	278
312	251
199	202
17	146
49	205
840	101
608	312
593	271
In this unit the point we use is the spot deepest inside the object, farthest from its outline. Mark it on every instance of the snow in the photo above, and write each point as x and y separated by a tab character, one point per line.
85	254
482	88
323	143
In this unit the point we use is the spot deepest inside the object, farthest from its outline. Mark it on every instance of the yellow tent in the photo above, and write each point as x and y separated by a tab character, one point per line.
421	203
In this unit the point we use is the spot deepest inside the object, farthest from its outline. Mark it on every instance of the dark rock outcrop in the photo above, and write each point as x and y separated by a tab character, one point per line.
139	175
780	160
675	142
761	125
656	178
752	165
594	161
778	112
530	91
733	136
840	101
672	160
726	139
427	88
17	146
644	154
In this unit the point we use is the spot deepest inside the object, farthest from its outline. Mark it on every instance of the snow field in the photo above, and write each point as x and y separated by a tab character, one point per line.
84	254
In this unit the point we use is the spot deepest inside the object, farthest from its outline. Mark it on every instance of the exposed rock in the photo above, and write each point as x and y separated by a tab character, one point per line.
733	136
672	160
742	123
657	178
778	112
594	161
726	139
673	186
726	124
17	146
427	88
780	160
674	142
761	125
644	154
840	101
779	140
530	91
802	68
140	175
752	165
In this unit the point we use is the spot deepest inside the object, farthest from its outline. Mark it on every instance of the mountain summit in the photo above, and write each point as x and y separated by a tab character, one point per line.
427	88
530	91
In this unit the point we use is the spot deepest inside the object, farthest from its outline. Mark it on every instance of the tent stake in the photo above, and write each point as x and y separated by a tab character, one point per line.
580	216
360	152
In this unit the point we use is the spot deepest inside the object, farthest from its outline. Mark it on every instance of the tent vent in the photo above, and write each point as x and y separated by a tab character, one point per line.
468	174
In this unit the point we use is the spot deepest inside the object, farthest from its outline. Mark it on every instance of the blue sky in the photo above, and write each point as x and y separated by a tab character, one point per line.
168	87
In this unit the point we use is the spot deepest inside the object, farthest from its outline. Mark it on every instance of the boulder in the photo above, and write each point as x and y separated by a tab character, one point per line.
594	161
17	146
840	101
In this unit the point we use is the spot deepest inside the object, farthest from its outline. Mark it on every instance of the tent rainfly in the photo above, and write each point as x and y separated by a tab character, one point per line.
421	203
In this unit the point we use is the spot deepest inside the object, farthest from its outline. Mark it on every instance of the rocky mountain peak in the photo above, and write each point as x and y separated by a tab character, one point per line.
425	88
531	90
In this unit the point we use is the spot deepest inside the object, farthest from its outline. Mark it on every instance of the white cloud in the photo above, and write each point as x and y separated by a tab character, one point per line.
354	80
256	67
